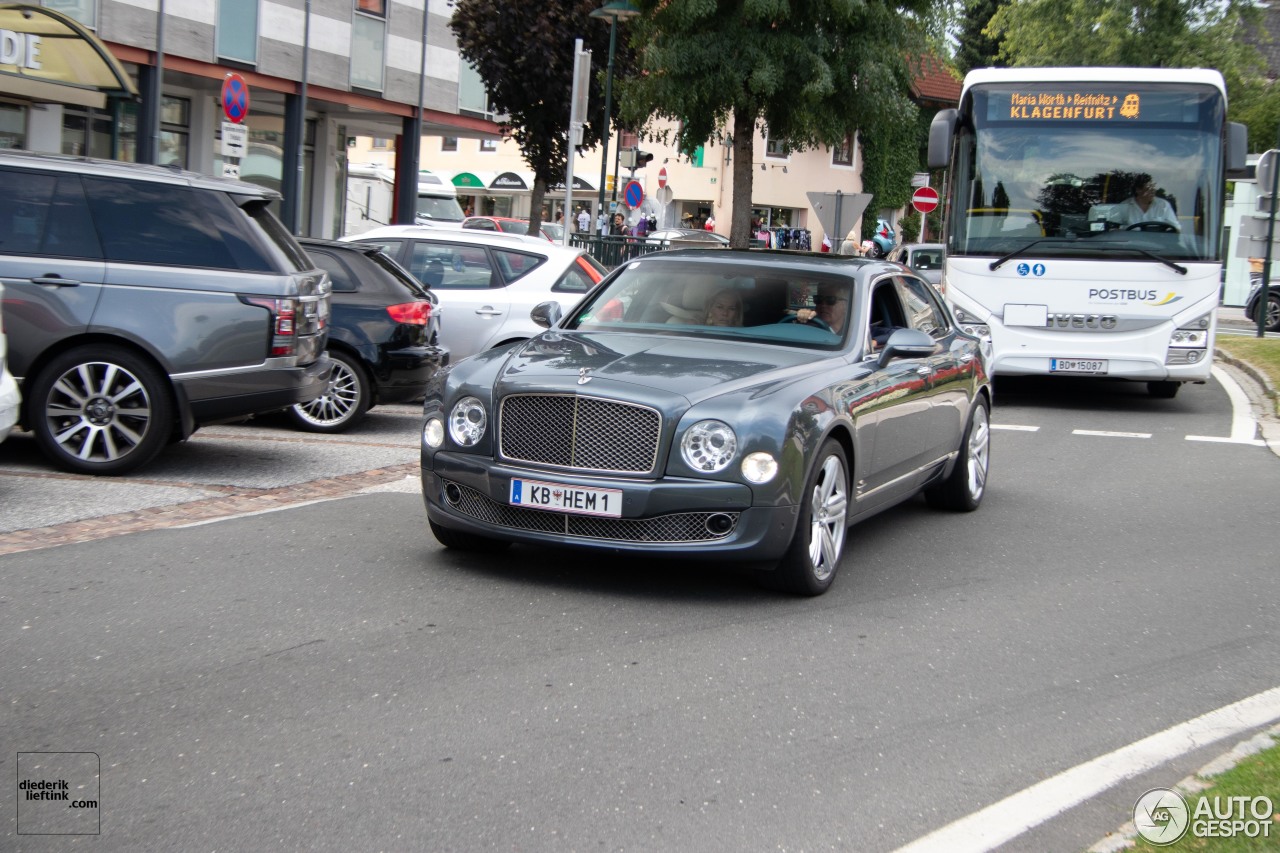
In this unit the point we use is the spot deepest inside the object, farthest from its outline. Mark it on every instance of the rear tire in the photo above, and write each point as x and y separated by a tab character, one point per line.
1163	390
962	491
345	400
101	410
1272	321
460	541
813	557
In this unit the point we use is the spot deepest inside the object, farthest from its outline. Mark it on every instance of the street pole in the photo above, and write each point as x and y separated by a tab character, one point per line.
608	104
1264	294
296	201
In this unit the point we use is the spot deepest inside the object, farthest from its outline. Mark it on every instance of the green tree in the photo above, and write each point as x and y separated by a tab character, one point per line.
524	54
976	48
810	71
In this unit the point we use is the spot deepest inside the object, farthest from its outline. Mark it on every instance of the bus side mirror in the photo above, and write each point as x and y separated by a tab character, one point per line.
941	131
1237	147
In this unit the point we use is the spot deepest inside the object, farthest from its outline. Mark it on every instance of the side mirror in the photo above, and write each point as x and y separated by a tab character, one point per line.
941	131
1237	147
907	343
546	314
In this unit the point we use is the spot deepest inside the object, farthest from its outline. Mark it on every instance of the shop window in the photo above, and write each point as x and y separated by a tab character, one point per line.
842	154
488	146
380	143
237	36
368	51
13	126
96	142
448	143
84	11
175	121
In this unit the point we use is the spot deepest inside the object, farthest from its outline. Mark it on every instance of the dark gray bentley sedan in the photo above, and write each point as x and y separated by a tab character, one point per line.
740	406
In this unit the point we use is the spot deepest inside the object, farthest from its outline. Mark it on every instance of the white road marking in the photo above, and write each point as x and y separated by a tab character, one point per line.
1016	427
1110	434
1027	809
1243	425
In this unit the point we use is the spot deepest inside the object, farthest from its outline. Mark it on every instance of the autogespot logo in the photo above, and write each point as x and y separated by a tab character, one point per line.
1161	816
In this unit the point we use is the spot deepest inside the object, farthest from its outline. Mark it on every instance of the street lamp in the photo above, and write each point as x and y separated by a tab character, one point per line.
613	11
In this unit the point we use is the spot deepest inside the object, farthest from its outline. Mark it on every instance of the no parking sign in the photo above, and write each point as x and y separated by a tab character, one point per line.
235	98
633	194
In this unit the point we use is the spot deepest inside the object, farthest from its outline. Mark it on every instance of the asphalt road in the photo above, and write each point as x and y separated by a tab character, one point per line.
326	677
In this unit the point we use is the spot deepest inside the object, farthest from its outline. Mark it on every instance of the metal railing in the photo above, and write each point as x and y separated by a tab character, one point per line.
611	250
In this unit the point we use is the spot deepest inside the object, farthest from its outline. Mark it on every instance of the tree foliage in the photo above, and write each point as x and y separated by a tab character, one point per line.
810	71
976	48
524	54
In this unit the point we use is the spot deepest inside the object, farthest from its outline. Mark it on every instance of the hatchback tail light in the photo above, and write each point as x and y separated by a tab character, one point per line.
411	313
284	313
591	271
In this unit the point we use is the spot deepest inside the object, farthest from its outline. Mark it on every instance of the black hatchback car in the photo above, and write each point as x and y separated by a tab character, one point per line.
383	336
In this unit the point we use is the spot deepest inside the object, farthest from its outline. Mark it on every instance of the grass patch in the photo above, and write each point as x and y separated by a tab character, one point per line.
1256	776
1262	353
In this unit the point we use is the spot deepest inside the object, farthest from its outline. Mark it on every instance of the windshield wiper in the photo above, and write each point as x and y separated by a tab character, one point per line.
995	265
1122	247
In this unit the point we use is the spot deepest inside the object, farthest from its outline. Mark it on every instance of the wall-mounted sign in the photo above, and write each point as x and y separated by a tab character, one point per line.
20	49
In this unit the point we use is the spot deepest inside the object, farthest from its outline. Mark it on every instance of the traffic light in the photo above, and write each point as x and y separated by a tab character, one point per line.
609	183
642	159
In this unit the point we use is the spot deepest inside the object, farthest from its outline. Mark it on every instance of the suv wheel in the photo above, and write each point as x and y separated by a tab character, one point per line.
100	410
345	399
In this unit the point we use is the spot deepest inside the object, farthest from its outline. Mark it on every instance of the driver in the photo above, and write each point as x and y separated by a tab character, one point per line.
831	307
1144	206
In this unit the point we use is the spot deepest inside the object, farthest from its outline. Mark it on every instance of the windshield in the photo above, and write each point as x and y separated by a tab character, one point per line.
725	301
439	208
1116	171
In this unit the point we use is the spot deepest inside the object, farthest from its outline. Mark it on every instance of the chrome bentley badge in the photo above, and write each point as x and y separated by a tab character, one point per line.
584	375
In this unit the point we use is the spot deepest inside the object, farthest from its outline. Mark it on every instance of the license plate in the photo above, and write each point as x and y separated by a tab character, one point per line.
1077	365
562	498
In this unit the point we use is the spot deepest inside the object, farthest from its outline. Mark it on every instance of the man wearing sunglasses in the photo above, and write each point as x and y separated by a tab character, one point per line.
831	306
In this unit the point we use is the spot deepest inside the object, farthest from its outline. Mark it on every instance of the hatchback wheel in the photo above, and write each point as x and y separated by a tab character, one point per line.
963	490
344	402
811	561
100	410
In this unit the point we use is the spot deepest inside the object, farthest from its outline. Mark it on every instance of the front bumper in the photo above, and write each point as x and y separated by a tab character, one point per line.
672	516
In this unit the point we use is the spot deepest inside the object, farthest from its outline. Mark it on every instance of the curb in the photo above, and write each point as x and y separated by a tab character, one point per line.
1125	836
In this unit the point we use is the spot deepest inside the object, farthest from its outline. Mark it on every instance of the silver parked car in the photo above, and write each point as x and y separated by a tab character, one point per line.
925	259
487	282
142	301
9	396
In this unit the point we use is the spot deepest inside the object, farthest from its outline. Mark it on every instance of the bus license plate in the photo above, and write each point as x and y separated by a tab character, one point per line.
557	496
1077	365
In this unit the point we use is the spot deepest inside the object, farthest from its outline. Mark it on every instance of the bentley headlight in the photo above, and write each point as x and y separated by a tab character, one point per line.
709	446
467	421
433	433
759	467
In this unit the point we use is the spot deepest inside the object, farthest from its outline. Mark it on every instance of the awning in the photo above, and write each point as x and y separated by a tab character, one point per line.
512	181
47	56
523	182
472	180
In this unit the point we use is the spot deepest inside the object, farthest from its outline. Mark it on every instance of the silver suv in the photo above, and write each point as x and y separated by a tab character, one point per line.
141	302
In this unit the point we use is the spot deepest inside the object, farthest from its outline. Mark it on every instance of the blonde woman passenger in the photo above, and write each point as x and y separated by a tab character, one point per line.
724	308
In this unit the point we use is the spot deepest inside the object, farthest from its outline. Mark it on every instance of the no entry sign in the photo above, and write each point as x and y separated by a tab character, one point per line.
235	98
662	177
925	199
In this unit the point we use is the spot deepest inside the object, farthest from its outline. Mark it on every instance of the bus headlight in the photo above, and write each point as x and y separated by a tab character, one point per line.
1193	334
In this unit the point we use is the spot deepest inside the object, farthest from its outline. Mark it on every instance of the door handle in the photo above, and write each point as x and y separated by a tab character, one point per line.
488	311
966	358
56	281
924	370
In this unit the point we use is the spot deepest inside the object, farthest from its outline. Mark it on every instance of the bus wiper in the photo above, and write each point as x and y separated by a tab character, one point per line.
995	265
1178	268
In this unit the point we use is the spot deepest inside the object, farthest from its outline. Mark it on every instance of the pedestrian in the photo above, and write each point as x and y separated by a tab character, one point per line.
619	228
584	220
711	223
560	217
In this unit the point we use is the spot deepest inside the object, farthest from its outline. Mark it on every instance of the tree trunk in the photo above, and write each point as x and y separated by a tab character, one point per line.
538	195
744	136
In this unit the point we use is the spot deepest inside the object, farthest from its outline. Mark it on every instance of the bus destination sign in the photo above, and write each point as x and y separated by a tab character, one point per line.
1072	106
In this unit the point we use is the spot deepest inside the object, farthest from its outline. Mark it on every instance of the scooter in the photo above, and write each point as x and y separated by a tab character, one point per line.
882	240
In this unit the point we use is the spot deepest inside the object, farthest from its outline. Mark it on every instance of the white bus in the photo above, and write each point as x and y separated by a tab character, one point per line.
1083	227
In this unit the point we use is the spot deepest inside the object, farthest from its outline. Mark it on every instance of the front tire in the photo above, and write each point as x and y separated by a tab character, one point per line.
101	410
810	564
346	398
962	491
1272	321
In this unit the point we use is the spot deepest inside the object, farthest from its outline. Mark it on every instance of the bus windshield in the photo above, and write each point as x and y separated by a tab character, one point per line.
1117	171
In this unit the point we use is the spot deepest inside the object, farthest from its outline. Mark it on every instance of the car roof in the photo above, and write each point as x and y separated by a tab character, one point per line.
812	262
524	242
130	171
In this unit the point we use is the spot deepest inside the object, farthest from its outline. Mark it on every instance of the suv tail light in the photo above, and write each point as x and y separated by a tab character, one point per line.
284	313
411	313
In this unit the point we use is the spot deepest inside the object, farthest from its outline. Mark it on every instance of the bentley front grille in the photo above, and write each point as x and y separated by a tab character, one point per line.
580	433
675	527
